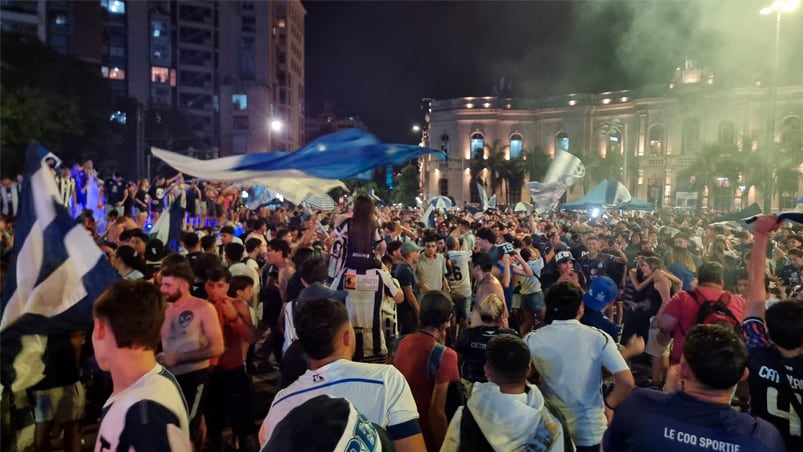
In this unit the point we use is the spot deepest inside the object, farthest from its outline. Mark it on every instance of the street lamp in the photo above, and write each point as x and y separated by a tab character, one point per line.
275	127
778	7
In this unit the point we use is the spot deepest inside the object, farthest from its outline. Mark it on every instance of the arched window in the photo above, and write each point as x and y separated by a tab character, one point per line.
443	186
562	142
791	134
690	136
614	144
656	143
727	132
477	146
445	143
516	146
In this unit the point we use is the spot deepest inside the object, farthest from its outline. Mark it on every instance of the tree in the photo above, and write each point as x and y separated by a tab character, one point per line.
57	100
716	167
407	186
538	162
494	165
513	172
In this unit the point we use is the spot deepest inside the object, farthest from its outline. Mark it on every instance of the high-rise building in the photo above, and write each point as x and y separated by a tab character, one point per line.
231	68
287	74
330	121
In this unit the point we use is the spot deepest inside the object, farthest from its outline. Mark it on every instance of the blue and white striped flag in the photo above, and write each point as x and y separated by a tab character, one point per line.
350	154
57	271
168	227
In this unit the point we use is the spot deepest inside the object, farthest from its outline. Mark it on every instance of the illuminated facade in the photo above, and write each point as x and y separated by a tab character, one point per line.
658	131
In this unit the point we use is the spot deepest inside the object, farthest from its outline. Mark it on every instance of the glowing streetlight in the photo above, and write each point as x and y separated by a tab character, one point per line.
416	128
778	7
276	125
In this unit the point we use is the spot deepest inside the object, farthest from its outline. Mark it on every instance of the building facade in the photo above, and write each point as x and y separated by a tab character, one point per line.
659	132
230	67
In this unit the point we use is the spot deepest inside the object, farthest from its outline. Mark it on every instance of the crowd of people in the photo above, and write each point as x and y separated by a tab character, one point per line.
493	331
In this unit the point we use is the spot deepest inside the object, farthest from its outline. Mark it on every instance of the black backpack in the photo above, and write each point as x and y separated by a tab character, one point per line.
716	311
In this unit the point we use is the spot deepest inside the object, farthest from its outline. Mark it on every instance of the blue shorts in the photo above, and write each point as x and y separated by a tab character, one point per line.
532	302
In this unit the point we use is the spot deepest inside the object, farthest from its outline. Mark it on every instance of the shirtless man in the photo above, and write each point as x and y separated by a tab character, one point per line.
191	337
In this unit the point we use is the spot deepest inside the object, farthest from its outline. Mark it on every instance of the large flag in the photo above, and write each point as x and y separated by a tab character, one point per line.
565	168
545	197
348	154
57	271
168	227
486	202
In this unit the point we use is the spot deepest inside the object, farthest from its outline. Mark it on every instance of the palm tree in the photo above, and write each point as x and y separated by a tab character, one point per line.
716	167
494	165
538	162
513	172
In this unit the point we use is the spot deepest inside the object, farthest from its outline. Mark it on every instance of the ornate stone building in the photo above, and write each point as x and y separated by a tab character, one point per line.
658	131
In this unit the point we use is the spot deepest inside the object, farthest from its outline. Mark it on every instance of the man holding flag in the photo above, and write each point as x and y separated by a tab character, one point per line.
56	273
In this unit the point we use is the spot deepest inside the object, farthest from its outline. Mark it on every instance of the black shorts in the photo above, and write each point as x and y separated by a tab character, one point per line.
195	385
229	398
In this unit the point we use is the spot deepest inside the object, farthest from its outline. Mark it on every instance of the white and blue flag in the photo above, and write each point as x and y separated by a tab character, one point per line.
56	273
168	227
350	154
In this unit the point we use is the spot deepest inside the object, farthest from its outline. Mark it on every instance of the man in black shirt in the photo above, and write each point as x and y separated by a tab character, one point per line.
115	190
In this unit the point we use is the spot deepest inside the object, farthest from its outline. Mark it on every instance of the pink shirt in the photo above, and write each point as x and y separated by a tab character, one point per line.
684	308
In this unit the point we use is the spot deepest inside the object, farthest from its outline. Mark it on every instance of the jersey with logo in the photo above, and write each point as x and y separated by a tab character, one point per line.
150	415
459	280
602	265
773	382
658	422
378	391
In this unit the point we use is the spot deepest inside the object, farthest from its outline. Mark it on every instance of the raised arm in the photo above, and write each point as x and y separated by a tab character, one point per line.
757	295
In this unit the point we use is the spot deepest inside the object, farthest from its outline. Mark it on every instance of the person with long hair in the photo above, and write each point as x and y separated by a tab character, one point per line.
358	241
128	263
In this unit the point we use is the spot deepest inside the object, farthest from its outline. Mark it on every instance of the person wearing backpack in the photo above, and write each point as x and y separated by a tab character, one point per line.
429	367
506	413
708	303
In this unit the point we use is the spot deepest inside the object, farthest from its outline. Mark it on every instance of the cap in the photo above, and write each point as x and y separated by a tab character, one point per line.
409	246
154	250
563	256
601	292
317	290
326	423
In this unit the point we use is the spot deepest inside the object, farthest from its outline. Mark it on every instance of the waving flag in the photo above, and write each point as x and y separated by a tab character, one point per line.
349	154
565	168
168	227
319	202
57	272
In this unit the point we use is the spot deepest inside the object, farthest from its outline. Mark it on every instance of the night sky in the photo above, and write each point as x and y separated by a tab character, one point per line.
379	59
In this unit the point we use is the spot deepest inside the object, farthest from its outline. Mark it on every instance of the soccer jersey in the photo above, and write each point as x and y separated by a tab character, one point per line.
459	280
149	415
569	357
364	304
773	381
378	391
602	265
653	421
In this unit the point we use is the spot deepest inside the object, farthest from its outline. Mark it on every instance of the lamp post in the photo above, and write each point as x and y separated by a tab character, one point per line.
778	7
275	126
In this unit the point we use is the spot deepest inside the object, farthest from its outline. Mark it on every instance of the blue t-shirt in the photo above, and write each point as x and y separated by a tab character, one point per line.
597	320
649	420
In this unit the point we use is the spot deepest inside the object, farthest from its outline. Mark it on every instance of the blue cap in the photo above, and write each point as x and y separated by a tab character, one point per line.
601	292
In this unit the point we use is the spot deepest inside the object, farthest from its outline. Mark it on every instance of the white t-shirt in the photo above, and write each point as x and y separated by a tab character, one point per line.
459	280
378	391
149	415
570	356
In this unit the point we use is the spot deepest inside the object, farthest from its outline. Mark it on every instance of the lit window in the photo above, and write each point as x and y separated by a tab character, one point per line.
159	29
160	74
562	142
239	101
657	140
61	19
104	71
282	22
113	6
117	73
477	146
516	146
